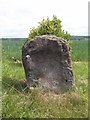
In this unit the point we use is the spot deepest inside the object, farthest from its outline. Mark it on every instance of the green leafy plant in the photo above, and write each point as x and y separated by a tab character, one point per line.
47	26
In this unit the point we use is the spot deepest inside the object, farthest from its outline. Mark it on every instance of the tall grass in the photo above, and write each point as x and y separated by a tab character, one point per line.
21	102
79	50
12	48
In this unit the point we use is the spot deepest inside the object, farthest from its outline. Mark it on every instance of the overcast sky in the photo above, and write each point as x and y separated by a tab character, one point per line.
18	16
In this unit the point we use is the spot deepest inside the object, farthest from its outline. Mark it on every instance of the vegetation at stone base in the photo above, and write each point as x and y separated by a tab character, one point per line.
47	26
20	102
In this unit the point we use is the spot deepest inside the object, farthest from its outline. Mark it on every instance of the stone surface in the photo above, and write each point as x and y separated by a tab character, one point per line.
47	63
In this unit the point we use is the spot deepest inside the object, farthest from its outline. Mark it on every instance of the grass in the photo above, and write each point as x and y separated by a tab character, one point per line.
20	102
80	50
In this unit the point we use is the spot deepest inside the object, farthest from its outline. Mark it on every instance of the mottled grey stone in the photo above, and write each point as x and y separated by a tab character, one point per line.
47	63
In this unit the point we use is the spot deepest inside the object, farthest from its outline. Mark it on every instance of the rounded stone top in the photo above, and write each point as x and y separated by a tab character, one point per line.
48	37
47	41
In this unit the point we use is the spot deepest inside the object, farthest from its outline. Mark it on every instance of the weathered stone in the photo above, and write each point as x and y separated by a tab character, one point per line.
46	60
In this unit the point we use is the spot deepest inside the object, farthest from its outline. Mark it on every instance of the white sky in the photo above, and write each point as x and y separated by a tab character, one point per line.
18	16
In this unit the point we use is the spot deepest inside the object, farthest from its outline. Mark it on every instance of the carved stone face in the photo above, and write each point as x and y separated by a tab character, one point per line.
47	61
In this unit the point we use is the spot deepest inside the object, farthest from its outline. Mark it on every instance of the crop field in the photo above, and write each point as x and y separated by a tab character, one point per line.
18	101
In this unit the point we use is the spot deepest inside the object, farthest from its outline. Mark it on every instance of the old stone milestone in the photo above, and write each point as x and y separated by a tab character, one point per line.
47	63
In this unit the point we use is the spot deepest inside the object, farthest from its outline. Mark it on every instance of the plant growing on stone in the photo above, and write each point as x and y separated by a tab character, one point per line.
47	26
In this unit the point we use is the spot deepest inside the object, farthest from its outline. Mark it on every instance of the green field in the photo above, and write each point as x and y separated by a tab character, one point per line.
20	102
